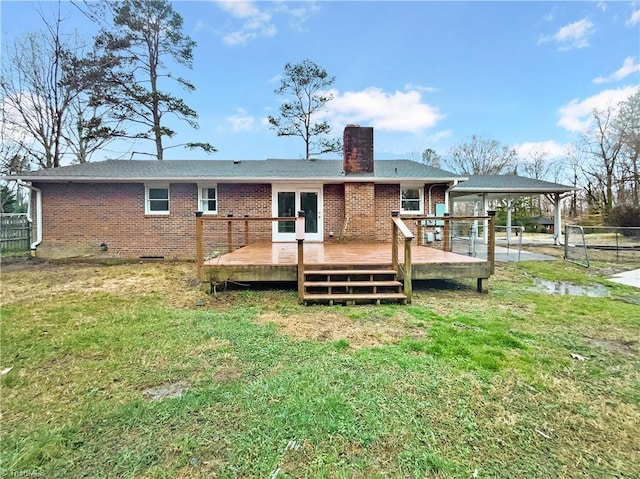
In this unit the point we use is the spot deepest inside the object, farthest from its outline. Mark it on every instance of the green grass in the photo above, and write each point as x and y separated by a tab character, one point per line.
472	382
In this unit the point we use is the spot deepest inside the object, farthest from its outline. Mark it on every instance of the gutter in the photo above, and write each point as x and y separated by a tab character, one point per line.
38	193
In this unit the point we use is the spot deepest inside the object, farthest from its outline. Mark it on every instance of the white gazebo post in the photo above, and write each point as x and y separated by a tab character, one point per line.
557	219
509	203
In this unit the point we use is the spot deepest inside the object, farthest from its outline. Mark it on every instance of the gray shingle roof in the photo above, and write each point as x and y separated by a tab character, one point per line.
501	184
220	170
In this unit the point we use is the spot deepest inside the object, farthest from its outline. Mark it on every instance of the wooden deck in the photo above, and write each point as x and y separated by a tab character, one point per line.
278	262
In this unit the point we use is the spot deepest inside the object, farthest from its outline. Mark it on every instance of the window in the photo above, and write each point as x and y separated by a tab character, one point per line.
156	200
208	199
411	200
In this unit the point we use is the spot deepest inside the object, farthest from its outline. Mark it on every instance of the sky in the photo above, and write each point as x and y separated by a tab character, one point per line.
424	74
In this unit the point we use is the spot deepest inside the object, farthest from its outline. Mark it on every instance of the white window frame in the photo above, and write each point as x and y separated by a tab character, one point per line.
420	189
148	200
202	202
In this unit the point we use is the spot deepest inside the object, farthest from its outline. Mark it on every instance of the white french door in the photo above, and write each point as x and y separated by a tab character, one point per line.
287	201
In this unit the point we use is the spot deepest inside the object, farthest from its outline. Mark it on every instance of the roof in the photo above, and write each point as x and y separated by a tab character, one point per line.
501	186
247	171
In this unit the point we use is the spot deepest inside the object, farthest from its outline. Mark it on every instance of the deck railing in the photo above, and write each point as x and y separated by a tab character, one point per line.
450	233
400	232
227	234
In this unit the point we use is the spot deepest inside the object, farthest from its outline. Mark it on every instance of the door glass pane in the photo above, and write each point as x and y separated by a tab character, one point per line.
309	204
286	207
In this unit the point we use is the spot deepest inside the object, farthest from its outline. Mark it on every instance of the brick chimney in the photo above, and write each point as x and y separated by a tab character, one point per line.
359	196
357	144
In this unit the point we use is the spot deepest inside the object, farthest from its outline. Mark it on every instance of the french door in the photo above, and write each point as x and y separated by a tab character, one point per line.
287	201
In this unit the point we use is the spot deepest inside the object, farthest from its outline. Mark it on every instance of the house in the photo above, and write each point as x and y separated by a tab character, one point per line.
145	209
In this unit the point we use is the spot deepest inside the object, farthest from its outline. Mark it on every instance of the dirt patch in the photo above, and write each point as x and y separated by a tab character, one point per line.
329	326
166	391
615	346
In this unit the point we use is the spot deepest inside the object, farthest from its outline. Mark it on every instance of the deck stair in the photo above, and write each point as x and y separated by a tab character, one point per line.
352	286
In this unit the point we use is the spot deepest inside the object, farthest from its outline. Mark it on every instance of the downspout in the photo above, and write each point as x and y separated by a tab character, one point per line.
429	211
38	193
446	196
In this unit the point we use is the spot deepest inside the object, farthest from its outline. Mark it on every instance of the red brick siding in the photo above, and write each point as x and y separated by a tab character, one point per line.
333	214
78	217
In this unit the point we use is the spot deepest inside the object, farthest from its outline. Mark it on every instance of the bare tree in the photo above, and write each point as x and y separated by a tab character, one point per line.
480	156
603	144
35	103
627	124
45	109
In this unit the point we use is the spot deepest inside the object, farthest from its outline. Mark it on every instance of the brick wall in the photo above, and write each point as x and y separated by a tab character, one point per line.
333	212
78	218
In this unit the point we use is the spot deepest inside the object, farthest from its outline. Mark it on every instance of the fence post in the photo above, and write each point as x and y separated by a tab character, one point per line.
199	245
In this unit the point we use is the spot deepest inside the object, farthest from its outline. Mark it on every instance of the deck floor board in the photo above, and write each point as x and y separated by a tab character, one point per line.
326	254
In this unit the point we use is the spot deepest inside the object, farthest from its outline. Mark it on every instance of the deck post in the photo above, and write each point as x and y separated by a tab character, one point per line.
394	241
491	241
300	230
229	234
408	287
199	245
446	234
246	230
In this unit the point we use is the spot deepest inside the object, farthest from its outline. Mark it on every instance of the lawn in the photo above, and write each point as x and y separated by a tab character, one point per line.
131	370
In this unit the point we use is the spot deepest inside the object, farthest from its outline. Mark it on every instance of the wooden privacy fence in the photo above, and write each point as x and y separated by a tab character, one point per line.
15	232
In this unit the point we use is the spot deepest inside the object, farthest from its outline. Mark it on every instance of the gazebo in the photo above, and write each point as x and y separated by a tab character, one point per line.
482	188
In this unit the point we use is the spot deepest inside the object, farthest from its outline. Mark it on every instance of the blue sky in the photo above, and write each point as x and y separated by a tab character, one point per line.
423	74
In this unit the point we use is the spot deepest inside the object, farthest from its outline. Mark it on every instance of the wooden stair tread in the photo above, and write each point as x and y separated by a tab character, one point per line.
354	296
325	284
349	272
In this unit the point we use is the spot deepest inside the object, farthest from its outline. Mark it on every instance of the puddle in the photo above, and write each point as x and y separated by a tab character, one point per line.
166	391
568	289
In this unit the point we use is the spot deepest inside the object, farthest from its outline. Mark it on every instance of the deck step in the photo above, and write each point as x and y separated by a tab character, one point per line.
352	286
349	272
354	297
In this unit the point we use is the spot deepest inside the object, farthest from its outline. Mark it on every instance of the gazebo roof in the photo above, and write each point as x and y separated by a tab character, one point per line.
504	186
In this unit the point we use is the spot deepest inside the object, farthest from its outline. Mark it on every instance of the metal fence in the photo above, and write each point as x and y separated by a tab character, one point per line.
602	243
15	232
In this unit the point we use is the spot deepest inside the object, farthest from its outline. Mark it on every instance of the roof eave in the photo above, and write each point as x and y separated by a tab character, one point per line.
229	179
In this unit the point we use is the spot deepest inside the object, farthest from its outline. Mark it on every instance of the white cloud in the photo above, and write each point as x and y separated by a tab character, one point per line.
257	19
257	23
240	121
571	36
634	19
398	111
421	88
551	149
629	67
577	114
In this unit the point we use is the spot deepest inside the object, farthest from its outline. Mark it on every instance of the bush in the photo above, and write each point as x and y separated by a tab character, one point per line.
625	216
